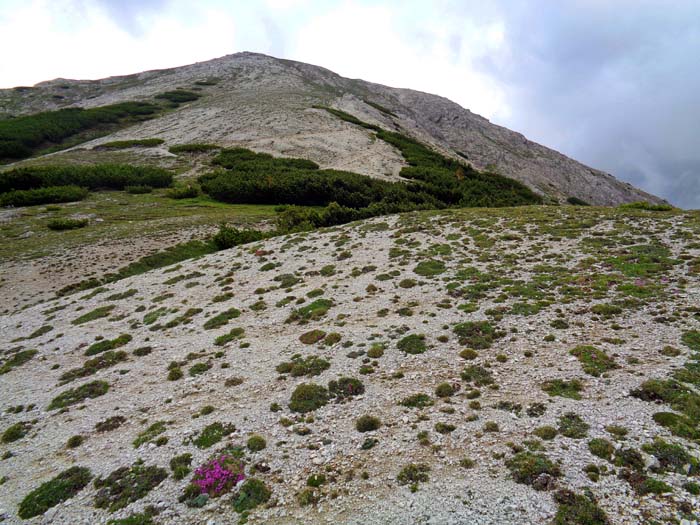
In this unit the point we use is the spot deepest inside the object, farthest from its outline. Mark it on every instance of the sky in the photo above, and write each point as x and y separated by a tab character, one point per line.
612	83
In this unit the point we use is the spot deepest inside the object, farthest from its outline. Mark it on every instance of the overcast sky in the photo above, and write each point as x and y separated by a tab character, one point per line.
612	83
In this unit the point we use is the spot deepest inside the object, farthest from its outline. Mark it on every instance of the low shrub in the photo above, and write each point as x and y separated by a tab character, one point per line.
138	189
48	195
643	205
526	467
183	191
59	489
412	344
15	432
256	443
126	485
178	96
307	397
252	493
345	387
16	360
92	177
20	137
131	143
367	423
66	224
228	237
79	394
413	473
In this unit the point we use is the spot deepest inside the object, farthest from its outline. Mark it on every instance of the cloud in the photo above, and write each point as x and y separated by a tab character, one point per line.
613	84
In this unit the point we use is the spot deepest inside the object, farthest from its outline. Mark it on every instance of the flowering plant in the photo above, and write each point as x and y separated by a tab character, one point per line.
219	475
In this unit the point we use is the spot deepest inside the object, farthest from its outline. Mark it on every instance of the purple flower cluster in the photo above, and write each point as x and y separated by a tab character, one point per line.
218	475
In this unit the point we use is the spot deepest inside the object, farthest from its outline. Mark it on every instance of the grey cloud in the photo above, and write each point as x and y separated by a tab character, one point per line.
129	14
612	84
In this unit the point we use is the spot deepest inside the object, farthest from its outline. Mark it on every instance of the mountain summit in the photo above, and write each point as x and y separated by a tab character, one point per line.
271	105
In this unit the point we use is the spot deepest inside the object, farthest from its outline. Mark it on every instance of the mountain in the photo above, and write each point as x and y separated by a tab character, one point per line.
267	104
194	331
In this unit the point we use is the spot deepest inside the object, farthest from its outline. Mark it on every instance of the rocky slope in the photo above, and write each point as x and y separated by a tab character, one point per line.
530	332
265	104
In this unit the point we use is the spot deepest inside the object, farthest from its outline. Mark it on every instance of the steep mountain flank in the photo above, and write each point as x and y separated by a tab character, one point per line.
267	104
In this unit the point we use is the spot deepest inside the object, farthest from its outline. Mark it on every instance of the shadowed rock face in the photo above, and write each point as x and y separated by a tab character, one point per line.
265	104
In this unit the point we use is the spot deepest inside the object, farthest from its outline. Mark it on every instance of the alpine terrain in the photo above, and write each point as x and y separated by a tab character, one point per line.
250	290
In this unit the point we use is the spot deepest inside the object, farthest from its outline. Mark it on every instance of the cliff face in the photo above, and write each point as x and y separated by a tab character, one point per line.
266	104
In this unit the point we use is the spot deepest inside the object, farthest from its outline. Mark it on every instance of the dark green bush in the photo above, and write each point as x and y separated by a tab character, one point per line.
252	493
345	387
49	195
367	423
643	205
228	237
178	96
17	359
95	177
66	224
22	136
526	467
183	191
131	143
575	201
307	397
126	485
76	395
64	486
138	189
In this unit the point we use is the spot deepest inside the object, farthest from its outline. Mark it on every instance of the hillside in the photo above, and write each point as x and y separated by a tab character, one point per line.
517	362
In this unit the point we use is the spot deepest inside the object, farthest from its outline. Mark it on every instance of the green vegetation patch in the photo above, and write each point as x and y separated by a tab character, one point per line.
477	375
311	311
97	313
253	492
48	195
212	434
574	509
126	485
412	344
150	434
79	394
107	344
429	268
526	467
92	366
178	96
312	337
16	360
131	143
15	432
593	361
561	387
59	489
92	177
222	318
299	366
308	397
66	224
476	334
21	137
233	334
